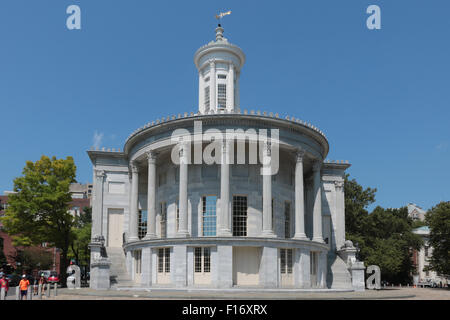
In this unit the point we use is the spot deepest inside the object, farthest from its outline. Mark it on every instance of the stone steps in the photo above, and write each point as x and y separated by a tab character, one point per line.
118	271
338	276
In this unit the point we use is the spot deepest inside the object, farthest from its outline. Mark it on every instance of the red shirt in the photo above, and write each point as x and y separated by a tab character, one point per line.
4	284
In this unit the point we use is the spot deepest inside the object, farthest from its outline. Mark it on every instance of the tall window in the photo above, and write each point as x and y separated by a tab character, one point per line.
286	261
287	219
164	260
239	216
137	261
209	216
163	208
142	224
313	263
207	101
202	260
178	215
222	95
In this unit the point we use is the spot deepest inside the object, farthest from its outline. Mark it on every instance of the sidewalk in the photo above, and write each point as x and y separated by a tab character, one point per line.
167	294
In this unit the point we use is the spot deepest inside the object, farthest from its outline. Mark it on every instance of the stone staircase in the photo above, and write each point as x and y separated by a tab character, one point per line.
118	272
338	276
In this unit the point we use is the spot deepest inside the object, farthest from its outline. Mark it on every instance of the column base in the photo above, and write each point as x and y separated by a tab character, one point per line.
225	233
300	236
320	240
131	239
182	234
149	236
269	234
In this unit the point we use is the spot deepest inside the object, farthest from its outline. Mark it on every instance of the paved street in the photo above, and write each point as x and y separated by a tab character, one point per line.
161	294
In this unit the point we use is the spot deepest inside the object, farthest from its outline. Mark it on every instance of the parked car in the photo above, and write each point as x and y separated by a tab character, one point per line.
46	273
53	277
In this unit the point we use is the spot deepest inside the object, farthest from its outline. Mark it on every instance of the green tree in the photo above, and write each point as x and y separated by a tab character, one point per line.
357	199
384	236
38	211
438	219
79	249
32	258
388	241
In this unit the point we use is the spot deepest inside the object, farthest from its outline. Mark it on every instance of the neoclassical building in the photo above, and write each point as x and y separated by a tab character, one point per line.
165	215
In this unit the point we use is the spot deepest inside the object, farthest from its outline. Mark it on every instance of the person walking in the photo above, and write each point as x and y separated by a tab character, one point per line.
23	286
42	282
4	283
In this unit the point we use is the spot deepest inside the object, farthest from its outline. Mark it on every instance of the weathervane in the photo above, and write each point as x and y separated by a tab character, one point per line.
221	15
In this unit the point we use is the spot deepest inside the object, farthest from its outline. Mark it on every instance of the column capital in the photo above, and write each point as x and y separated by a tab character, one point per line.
134	167
299	155
151	156
267	148
339	184
317	165
99	174
212	63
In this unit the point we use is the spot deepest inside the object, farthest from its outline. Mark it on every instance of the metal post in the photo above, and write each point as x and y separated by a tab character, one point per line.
54	290
17	293
48	290
29	293
2	294
40	291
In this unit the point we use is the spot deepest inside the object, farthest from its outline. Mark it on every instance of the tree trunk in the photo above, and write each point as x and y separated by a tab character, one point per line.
63	267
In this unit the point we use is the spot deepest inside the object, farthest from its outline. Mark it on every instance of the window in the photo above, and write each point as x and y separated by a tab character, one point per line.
178	215
209	216
239	216
202	260
286	261
222	95
287	219
142	224
164	260
273	213
207	101
222	76
163	211
207	79
137	261
313	263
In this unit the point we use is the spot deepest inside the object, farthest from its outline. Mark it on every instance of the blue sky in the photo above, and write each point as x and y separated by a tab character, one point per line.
380	96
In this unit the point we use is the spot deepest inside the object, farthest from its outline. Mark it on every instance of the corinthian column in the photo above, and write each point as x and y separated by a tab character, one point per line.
134	202
97	204
267	193
317	212
151	196
183	198
299	198
224	221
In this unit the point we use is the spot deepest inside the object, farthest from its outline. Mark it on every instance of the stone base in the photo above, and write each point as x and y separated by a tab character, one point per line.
100	275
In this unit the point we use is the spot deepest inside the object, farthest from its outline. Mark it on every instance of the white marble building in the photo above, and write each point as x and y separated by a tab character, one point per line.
164	224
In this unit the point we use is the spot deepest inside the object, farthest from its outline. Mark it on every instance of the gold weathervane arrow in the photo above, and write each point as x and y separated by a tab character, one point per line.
222	14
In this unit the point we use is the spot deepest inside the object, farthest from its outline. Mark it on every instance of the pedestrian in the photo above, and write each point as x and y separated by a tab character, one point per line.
23	286
4	283
42	282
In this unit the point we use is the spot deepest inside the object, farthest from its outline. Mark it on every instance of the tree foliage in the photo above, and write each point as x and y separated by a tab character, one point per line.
384	236
38	211
79	249
438	219
357	200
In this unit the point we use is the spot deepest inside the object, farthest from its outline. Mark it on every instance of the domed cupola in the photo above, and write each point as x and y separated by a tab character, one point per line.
219	66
